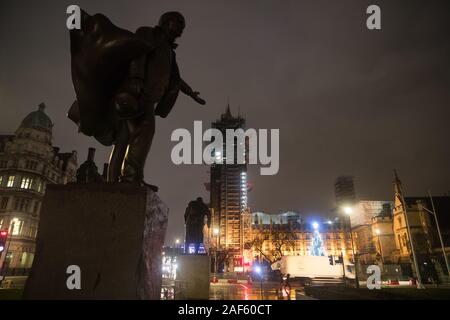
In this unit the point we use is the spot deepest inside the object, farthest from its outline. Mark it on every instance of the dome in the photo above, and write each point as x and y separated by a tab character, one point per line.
38	119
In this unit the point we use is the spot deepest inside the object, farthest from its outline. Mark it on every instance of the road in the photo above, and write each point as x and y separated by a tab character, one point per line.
239	291
267	290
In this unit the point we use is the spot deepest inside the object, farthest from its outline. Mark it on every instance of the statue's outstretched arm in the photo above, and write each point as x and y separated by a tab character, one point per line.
187	90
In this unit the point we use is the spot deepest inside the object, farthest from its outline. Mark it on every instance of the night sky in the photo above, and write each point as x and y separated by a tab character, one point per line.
346	100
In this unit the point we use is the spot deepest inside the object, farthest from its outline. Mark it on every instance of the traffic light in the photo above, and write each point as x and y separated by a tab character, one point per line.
3	237
331	260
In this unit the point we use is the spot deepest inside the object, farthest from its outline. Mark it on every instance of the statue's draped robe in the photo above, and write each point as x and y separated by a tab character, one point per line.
100	57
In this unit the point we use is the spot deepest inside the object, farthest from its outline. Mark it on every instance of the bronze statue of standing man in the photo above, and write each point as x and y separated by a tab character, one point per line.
194	219
122	80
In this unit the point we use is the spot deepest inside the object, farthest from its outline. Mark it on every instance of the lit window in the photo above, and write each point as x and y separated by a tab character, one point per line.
26	183
10	181
1	180
9	256
23	259
30	260
15	227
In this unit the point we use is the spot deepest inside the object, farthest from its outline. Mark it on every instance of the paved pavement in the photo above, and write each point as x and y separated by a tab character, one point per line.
254	291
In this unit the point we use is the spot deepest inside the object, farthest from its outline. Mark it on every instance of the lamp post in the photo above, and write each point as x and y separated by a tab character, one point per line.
177	245
348	211
258	270
343	269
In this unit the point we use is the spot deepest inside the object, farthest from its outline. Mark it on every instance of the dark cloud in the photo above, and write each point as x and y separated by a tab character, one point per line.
346	100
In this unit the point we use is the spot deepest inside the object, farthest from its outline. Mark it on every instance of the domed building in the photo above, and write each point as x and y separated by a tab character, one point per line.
28	162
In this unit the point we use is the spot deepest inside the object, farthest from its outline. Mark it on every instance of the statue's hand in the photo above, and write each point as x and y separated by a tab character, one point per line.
199	100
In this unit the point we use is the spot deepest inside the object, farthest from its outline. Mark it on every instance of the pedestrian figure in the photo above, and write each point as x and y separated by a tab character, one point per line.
287	286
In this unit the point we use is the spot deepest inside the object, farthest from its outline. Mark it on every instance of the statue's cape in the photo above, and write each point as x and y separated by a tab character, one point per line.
100	56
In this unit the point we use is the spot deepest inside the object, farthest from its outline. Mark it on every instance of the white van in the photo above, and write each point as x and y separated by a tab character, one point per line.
314	267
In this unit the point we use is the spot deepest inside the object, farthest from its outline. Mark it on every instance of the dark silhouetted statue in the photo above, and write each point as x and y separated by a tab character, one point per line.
122	80
194	219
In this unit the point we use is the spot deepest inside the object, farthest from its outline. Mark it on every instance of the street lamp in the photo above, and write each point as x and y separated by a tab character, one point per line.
348	211
258	270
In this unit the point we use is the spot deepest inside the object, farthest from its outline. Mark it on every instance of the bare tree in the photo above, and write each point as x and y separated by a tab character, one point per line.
279	238
223	256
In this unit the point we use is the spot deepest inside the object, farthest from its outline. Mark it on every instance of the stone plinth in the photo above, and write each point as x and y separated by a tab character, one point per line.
193	276
113	232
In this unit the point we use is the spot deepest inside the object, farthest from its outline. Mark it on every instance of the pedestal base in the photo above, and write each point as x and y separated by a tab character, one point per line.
114	233
193	276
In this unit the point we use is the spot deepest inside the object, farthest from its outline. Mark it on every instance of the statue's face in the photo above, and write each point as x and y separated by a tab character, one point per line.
174	29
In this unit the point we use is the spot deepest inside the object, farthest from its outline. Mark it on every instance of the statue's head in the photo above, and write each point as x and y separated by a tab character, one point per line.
173	24
200	199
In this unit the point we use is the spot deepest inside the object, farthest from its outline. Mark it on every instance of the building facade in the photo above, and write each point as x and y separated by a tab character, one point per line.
28	162
372	230
418	213
288	233
382	230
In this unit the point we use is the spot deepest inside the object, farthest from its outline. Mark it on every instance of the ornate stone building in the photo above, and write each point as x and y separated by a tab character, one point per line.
28	162
418	213
371	222
380	232
288	233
